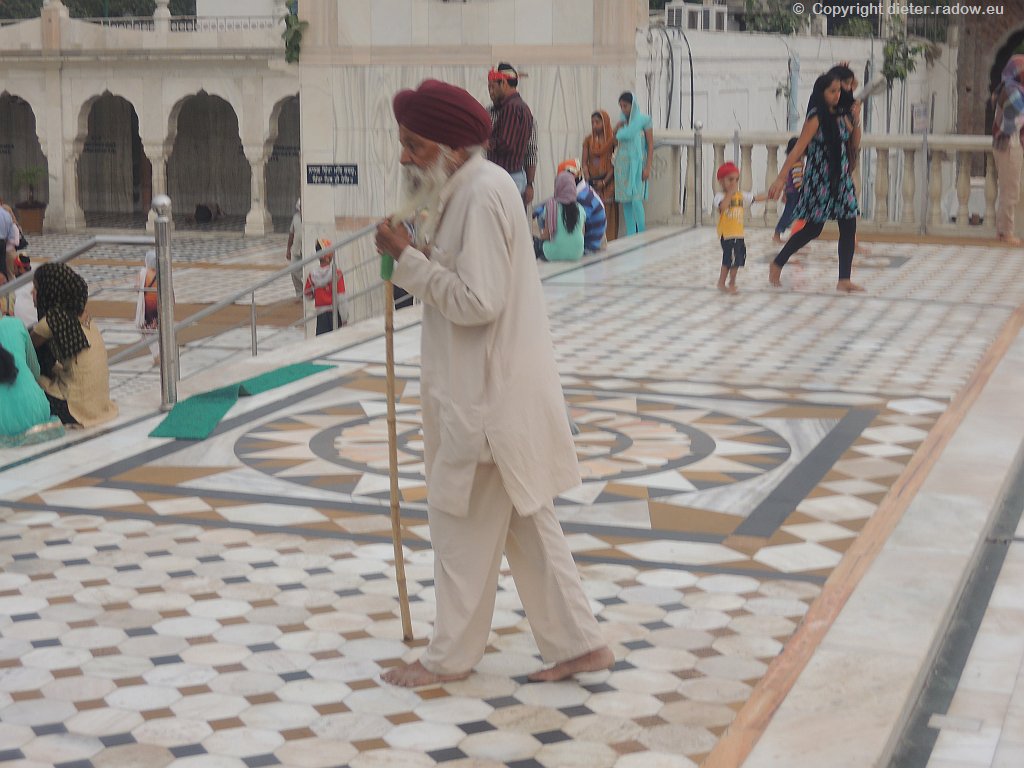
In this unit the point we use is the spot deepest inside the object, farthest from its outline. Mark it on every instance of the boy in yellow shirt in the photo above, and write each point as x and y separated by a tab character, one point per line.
730	203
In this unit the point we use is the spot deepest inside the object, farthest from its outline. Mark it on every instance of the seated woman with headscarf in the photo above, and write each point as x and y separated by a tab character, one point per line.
562	222
24	409
78	382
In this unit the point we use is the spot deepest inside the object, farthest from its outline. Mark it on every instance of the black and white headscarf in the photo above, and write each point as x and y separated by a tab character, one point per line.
61	294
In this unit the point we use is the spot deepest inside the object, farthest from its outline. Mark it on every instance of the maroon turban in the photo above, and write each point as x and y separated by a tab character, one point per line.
443	113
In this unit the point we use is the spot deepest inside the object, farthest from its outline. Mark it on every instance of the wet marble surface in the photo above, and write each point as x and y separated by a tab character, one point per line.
232	602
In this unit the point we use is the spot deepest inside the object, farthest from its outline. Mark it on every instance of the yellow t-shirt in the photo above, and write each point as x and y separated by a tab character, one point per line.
730	223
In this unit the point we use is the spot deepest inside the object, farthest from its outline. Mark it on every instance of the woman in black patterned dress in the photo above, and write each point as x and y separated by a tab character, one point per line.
828	192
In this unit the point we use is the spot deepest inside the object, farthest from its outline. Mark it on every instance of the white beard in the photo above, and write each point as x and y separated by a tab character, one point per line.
421	197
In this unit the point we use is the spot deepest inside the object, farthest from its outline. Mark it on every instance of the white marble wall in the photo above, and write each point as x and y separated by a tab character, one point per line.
577	55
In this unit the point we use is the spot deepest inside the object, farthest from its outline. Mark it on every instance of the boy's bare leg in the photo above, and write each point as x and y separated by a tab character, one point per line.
721	278
777	238
732	279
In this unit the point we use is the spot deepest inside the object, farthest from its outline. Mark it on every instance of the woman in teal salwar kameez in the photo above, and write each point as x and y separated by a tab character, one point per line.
633	157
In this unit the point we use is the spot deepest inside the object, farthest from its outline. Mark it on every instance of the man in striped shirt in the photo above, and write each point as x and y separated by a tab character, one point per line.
513	143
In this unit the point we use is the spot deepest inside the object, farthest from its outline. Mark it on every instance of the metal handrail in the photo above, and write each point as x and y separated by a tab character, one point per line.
235	297
74	253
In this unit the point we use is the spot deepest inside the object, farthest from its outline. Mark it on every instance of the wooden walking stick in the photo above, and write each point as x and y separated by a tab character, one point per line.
387	265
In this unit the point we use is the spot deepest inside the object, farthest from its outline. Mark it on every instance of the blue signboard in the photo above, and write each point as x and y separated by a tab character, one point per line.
335	175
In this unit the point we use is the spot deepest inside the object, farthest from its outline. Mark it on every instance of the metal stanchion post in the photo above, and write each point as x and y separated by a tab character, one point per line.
165	304
927	183
252	324
334	294
698	174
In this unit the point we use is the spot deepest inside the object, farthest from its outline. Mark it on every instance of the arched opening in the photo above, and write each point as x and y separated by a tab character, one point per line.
208	177
283	172
20	150
114	175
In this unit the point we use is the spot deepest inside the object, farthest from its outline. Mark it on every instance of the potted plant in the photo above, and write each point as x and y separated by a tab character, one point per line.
31	211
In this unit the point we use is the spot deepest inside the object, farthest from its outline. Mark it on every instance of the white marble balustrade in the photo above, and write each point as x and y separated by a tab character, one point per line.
901	180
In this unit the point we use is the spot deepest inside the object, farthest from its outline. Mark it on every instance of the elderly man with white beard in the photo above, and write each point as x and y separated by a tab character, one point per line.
496	441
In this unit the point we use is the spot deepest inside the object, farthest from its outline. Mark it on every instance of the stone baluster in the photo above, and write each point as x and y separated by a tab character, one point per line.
935	189
990	190
882	186
909	187
963	190
258	221
746	176
715	187
770	173
690	187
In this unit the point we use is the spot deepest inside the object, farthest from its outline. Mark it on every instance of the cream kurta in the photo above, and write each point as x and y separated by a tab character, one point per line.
84	380
489	386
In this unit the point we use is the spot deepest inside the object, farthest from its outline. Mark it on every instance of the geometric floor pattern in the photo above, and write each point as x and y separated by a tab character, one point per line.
232	602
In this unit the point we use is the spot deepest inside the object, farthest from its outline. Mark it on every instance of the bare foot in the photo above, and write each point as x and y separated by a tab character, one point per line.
731	288
415	674
721	285
777	239
847	286
1009	239
775	275
595	661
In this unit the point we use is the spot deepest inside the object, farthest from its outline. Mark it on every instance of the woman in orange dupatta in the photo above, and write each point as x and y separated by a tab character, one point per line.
598	168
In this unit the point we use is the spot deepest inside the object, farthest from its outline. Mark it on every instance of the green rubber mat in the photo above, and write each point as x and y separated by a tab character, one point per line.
196	417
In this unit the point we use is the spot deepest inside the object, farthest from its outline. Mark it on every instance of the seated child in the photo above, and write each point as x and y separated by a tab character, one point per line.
593	207
730	203
562	225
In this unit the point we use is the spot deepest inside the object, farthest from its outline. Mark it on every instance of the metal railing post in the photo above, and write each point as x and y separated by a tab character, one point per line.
927	184
698	174
334	294
252	323
165	304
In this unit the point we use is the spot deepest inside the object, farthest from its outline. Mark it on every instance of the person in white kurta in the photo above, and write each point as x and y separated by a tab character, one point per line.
497	444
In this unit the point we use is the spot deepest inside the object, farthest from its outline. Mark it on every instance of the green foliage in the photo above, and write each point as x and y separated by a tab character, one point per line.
899	57
93	9
855	26
29	177
292	36
774	16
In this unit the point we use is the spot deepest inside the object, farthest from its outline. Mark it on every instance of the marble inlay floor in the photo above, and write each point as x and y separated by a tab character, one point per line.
232	602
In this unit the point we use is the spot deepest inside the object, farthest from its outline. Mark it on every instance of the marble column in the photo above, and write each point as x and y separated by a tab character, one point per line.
258	221
74	217
157	154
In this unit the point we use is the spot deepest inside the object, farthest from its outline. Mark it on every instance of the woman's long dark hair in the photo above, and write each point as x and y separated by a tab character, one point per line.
8	370
570	215
828	122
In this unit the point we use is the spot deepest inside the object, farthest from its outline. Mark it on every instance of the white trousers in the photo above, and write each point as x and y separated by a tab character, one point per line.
1008	168
467	557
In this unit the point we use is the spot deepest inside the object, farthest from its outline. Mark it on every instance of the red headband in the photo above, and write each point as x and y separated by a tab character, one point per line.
497	74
